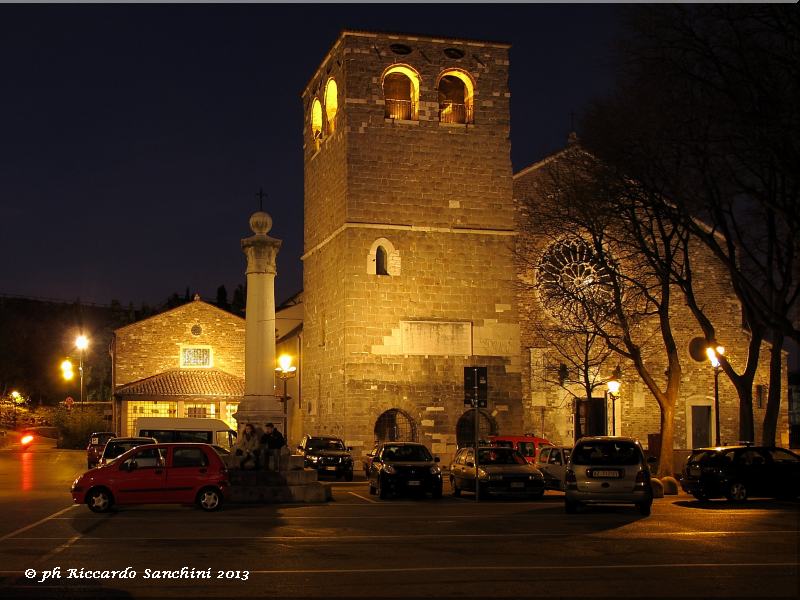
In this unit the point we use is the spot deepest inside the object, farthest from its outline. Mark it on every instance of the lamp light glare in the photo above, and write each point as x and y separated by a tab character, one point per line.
81	342
613	386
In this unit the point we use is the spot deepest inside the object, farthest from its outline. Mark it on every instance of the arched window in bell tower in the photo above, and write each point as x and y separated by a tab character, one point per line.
316	121
383	259
456	93
331	103
401	93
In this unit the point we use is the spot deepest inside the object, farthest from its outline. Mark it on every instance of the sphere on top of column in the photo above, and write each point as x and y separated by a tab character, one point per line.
260	222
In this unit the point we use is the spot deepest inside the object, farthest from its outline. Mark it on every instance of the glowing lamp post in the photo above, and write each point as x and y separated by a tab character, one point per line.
16	397
613	386
285	371
713	354
81	343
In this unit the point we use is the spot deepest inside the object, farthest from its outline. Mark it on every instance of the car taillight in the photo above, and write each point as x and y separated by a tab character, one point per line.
570	481
26	439
642	478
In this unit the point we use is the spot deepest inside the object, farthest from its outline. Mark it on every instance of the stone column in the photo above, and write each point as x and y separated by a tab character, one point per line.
260	403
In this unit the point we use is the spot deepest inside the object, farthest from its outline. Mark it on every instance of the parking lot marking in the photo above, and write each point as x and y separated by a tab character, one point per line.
363	497
37	523
58	549
339	537
571	567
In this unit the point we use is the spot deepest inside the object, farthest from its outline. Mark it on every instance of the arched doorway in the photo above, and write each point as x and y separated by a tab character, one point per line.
465	428
395	425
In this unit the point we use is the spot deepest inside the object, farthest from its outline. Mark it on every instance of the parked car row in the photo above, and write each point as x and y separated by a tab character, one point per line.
598	470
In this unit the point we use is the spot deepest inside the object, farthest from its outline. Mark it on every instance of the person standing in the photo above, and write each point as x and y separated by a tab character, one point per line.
273	441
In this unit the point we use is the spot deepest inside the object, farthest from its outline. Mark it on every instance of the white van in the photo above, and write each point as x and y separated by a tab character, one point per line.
170	429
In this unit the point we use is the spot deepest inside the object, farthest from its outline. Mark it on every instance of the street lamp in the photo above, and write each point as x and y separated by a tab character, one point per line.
286	371
15	398
81	343
713	354
613	386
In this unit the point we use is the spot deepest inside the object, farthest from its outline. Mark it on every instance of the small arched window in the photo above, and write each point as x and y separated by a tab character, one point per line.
401	93
456	92
316	121
381	261
331	103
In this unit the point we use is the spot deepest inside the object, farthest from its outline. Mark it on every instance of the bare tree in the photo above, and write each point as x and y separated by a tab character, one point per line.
705	118
620	281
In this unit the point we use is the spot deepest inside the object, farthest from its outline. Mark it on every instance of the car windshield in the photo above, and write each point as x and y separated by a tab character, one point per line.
703	456
114	449
606	452
500	456
324	444
407	452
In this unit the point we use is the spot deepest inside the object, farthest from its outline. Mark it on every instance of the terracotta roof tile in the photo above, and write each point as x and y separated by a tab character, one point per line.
186	382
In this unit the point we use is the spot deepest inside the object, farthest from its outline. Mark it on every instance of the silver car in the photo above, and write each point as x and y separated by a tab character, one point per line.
607	470
552	462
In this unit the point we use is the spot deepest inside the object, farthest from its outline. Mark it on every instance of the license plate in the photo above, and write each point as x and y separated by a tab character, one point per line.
414	482
330	468
517	484
614	474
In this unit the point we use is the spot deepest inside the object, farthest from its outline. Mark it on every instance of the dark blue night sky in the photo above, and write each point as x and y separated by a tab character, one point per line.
133	139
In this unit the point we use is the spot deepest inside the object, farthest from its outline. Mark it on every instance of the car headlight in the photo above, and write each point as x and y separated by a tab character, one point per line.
534	476
435	470
313	459
389	469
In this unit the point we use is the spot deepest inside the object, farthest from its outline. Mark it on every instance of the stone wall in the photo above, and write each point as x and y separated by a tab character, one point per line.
637	411
152	346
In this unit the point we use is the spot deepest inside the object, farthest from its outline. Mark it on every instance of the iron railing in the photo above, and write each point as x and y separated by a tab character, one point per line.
452	112
400	109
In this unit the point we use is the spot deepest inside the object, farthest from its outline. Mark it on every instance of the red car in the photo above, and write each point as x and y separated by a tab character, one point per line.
528	445
156	474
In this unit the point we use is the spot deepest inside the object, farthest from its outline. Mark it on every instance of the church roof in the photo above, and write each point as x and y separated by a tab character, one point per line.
186	382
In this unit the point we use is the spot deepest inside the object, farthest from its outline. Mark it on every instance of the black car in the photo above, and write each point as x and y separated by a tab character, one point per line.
399	467
739	472
328	455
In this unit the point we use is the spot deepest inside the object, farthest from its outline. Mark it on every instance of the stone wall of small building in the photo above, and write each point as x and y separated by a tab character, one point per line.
152	346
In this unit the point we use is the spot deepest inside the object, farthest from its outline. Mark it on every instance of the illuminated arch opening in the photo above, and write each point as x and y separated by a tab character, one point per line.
331	103
316	121
401	93
456	93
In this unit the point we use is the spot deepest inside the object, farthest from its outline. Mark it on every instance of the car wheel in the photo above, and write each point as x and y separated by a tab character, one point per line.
383	492
209	499
571	507
99	500
737	492
700	497
456	489
437	492
348	476
372	490
537	495
644	508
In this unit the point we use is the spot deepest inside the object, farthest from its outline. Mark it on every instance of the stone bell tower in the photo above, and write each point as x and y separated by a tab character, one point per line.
408	271
260	404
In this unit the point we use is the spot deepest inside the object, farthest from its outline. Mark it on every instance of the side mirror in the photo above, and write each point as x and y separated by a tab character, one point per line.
435	459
